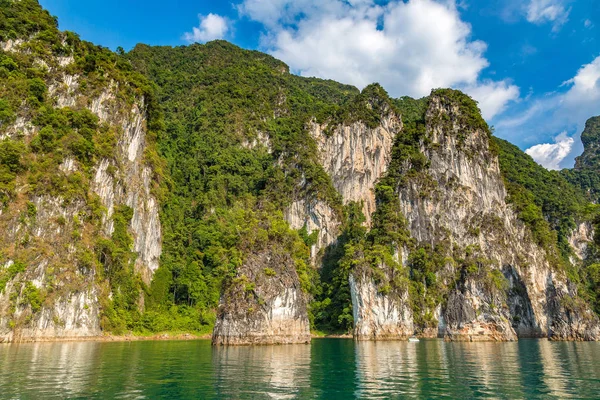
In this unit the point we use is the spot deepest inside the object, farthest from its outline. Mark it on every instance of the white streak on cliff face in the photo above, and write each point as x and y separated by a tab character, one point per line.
356	156
315	215
378	316
75	316
261	139
132	185
68	165
64	92
104	186
580	238
21	126
11	45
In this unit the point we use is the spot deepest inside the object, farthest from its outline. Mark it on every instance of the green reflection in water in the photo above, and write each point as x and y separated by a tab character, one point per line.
326	369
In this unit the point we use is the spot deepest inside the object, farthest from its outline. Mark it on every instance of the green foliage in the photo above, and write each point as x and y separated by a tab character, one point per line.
7	114
543	199
587	179
585	174
32	297
23	19
11	153
332	308
235	137
120	313
426	290
498	280
11	163
9	273
311	239
590	159
368	107
469	111
37	89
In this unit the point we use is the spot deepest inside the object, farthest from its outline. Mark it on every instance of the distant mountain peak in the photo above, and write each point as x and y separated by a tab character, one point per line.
590	159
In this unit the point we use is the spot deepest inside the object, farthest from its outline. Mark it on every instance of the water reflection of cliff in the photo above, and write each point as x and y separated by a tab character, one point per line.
431	368
48	369
485	369
327	369
386	368
274	372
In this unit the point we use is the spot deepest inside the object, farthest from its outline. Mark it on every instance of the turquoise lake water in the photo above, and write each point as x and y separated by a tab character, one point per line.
326	369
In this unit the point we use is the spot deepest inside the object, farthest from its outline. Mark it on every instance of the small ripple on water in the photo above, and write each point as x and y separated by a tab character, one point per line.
327	369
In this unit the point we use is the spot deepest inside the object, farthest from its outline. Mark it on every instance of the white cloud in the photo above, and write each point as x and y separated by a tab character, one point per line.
541	11
585	88
566	109
493	96
588	24
408	47
550	155
212	27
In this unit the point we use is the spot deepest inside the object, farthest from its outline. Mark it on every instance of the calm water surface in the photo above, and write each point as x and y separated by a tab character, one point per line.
326	369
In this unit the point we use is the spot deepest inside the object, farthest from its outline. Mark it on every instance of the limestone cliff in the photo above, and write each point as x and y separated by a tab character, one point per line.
590	159
458	206
53	284
264	304
284	202
355	156
379	316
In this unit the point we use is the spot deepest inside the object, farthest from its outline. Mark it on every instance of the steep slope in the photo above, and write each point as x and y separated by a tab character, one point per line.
471	268
78	207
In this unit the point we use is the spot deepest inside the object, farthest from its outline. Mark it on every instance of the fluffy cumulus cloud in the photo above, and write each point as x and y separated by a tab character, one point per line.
583	97
408	47
550	155
212	27
554	11
493	96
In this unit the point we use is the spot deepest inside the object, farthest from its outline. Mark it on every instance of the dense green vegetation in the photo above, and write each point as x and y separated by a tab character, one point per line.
552	203
585	174
543	199
31	156
235	134
229	147
590	159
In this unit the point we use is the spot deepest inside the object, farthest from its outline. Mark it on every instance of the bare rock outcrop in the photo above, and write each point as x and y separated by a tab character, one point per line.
264	304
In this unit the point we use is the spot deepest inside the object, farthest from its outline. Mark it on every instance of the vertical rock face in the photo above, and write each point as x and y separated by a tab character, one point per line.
50	241
73	308
264	304
475	312
580	238
356	156
467	208
131	186
379	316
315	215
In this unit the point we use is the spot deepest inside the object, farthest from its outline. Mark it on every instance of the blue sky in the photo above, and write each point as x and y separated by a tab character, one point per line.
534	65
